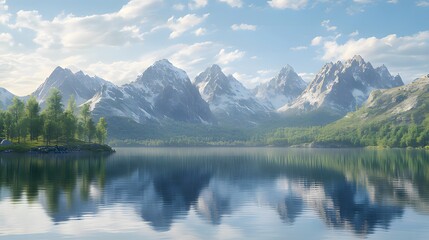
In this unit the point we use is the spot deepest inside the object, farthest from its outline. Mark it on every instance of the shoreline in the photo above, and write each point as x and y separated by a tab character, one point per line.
57	149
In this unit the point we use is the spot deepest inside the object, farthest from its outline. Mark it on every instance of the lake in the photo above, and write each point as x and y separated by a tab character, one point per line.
217	193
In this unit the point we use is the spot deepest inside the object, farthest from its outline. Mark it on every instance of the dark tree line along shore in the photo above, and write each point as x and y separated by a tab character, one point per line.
24	121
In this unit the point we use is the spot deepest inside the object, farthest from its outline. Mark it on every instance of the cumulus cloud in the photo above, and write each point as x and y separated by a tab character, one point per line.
291	4
233	3
183	24
195	4
4	15
225	57
406	55
69	31
23	73
243	26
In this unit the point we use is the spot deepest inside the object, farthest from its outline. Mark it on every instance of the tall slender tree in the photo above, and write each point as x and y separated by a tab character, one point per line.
101	130
32	112
69	120
53	114
17	112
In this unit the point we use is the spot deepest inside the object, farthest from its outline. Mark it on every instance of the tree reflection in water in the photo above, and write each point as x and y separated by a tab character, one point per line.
358	190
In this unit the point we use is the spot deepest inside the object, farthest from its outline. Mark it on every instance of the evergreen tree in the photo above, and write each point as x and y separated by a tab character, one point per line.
101	130
53	114
32	112
69	120
85	118
17	112
90	126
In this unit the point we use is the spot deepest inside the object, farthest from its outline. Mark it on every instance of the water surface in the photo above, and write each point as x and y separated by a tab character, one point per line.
216	193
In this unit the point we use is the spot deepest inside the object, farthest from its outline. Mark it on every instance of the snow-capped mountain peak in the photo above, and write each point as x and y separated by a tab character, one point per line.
342	87
82	86
282	89
228	99
162	92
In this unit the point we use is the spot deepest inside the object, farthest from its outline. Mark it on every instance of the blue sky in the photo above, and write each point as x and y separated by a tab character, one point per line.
253	40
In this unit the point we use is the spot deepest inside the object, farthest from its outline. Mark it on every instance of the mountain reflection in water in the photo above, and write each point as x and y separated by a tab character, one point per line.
353	190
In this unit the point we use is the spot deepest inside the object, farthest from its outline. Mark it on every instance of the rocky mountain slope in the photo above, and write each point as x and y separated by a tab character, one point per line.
342	87
5	98
82	86
282	89
162	92
397	105
228	99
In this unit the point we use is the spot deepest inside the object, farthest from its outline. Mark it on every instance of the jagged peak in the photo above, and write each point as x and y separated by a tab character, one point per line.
287	69
215	68
59	69
163	62
358	58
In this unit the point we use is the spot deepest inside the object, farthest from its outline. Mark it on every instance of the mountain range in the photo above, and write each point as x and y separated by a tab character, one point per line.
164	96
342	87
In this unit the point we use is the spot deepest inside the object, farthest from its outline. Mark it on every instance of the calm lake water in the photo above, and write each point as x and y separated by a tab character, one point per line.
216	193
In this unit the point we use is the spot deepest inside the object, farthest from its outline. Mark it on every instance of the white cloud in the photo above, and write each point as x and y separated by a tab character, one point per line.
224	57
316	41
6	38
23	73
135	8
69	31
327	25
354	34
299	48
307	77
406	55
183	24
392	1
200	32
195	4
291	4
4	15
243	26
233	3
422	3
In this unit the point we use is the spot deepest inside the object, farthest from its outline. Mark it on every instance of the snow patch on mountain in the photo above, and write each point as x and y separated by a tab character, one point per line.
343	87
228	99
282	89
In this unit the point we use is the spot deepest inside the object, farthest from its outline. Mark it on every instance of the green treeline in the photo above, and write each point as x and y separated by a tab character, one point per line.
385	134
26	121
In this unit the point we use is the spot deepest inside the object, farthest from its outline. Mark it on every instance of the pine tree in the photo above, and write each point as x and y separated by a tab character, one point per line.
53	114
32	112
69	120
17	112
101	130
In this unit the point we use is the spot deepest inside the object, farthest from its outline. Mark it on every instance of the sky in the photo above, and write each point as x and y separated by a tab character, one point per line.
252	40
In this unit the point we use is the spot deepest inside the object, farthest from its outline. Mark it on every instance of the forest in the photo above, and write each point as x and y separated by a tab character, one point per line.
26	121
383	134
